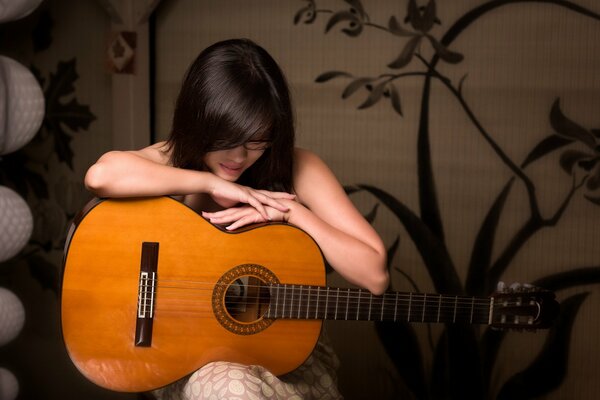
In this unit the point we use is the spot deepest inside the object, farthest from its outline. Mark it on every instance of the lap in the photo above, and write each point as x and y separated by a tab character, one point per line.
315	379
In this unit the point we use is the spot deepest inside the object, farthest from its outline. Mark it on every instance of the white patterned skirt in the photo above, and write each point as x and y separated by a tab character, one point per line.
315	379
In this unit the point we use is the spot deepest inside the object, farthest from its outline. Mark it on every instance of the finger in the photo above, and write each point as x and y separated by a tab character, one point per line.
221	213
277	195
272	202
247	220
239	214
254	202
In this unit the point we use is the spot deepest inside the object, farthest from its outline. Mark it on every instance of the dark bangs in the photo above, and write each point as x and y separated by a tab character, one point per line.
235	92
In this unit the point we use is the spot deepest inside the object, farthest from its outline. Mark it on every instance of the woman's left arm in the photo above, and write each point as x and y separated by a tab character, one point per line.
324	211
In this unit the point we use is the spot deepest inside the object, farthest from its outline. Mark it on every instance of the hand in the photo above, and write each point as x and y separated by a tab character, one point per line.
227	194
244	215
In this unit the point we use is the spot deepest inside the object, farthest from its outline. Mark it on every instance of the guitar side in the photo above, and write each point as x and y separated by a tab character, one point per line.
100	287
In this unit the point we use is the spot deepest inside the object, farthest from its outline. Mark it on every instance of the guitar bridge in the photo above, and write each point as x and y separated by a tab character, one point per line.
146	294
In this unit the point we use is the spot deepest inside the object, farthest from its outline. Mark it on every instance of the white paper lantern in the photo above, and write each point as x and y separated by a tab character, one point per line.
21	105
12	316
9	386
11	10
16	223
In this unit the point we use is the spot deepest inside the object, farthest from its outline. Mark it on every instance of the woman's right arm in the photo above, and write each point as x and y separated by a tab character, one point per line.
143	172
147	172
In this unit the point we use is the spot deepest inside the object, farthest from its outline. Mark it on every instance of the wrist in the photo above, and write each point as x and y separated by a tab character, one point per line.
294	208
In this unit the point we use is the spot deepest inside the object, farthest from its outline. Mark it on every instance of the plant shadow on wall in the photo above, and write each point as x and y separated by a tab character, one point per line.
42	171
463	357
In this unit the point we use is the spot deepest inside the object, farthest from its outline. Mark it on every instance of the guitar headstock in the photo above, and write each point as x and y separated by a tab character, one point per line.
523	307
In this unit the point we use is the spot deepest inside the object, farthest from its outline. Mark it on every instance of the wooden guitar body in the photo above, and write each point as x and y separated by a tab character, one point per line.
190	324
152	292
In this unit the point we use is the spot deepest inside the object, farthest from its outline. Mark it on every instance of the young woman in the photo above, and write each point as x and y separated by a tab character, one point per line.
231	157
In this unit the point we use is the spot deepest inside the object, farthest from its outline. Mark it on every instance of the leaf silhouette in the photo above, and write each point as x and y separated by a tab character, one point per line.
309	11
569	129
481	254
569	158
547	145
374	96
398	30
445	54
354	86
329	75
406	54
549	368
73	115
402	345
456	368
341	16
395	99
432	250
594	200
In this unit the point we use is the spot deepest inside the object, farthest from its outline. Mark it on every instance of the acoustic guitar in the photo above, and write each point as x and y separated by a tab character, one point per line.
151	292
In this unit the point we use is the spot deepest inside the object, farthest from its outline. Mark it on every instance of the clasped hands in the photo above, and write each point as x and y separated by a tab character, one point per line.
257	206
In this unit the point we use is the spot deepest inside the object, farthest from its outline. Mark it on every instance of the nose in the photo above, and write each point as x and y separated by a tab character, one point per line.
238	154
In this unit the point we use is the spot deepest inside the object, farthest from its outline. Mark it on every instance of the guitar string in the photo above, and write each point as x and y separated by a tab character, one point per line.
477	317
300	289
304	304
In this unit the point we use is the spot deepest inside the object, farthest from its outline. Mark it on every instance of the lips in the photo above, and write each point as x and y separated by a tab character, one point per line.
231	169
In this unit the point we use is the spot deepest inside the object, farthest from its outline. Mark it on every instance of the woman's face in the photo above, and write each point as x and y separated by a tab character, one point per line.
229	164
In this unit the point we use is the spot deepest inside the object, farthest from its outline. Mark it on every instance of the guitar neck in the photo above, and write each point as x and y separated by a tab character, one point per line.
317	302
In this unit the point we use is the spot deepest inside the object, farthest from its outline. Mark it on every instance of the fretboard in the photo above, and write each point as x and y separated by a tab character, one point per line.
317	302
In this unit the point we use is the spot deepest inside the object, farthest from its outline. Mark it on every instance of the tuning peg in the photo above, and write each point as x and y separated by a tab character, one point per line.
501	286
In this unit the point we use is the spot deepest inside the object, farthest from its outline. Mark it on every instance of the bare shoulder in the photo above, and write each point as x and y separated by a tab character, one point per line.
313	179
307	161
157	152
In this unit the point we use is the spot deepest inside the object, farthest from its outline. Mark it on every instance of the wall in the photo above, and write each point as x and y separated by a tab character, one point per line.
518	60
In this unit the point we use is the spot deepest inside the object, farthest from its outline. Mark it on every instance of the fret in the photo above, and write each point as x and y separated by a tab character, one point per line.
409	306
271	294
424	305
472	304
283	305
347	304
318	305
439	308
370	303
358	303
382	306
455	304
308	303
396	307
299	302
326	303
292	302
337	299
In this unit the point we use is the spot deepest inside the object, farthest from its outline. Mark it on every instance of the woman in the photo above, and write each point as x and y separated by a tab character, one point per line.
231	157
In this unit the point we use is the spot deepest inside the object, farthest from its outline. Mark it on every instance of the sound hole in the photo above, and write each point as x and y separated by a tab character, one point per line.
247	299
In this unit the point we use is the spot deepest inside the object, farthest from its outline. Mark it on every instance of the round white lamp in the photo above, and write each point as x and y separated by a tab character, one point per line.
16	223
9	386
11	10
21	105
12	316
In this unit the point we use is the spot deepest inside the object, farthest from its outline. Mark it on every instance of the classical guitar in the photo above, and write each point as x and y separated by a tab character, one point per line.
151	291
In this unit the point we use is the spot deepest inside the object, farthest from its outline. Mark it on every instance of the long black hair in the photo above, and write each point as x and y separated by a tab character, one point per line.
232	92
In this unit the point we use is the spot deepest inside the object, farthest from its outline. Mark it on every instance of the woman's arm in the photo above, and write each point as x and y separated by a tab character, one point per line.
348	241
147	172
324	211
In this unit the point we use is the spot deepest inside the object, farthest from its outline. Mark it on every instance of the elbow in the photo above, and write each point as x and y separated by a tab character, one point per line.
380	283
98	176
380	280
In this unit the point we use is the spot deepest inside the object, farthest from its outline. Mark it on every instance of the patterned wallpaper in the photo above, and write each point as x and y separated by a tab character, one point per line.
486	168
